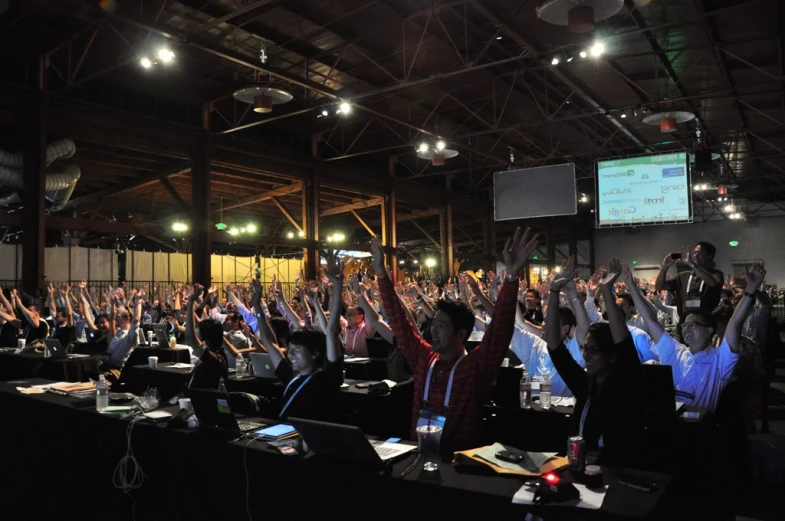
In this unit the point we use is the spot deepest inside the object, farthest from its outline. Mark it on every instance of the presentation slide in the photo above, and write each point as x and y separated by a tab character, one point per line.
644	190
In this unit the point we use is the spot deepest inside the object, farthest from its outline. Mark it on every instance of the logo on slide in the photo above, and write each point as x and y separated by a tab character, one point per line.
671	188
654	200
674	171
628	173
617	191
644	176
618	212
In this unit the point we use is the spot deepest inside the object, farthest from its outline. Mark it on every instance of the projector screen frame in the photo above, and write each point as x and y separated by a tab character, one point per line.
504	172
688	167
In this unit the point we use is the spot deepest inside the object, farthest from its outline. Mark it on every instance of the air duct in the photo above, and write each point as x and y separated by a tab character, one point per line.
58	188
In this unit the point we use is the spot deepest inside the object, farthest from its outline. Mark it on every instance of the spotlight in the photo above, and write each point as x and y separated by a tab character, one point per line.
338	237
597	49
329	238
165	55
729	208
430	263
440	145
146	63
233	231
242	230
301	234
498	37
290	235
555	61
416	261
251	228
570	59
623	115
584	199
583	54
345	107
401	262
557	269
179	227
325	113
423	147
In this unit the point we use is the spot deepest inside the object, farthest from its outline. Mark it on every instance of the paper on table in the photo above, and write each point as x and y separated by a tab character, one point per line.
532	461
50	384
470	457
563	401
181	365
590	498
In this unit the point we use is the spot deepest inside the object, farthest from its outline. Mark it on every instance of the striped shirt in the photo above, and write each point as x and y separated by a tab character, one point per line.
473	377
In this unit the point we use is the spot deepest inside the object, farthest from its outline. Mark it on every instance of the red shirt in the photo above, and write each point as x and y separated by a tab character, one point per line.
473	377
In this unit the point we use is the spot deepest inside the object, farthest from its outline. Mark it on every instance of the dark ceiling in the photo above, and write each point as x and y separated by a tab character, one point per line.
476	73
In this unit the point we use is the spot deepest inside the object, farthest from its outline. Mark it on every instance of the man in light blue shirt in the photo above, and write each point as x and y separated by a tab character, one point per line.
124	340
700	371
533	352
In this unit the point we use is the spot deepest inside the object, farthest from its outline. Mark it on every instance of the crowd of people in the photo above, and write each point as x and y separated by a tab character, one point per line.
590	337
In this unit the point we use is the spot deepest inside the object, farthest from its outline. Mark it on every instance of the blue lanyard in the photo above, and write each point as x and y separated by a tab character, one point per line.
449	382
584	413
289	401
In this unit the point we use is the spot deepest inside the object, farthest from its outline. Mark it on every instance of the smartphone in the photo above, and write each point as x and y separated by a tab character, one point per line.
393	440
675	256
510	457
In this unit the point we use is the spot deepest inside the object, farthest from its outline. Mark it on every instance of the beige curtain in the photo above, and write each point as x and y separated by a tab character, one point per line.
178	267
79	263
8	262
161	273
103	265
56	264
245	270
142	265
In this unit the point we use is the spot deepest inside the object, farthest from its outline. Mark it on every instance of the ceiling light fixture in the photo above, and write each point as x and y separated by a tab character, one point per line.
435	152
597	49
262	98
165	55
579	16
345	107
146	63
555	61
583	54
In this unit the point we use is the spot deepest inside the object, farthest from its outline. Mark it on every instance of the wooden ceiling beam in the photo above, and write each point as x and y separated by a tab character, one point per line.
266	196
335	210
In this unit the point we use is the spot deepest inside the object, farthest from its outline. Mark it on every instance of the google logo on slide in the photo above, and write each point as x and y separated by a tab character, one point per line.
618	212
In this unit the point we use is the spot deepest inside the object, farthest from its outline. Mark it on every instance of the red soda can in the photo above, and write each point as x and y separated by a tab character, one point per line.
576	453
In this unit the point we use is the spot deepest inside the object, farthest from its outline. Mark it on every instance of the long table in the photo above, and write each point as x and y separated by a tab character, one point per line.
28	365
68	452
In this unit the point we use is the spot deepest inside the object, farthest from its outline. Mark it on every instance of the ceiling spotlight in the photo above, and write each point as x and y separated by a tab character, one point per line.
345	107
165	55
555	61
416	261
584	199
430	263
401	262
251	228
146	63
440	145
290	235
597	49
498	37
325	113
242	230
338	237
570	59
623	114
423	147
179	227
583	54
233	231
729	208
301	234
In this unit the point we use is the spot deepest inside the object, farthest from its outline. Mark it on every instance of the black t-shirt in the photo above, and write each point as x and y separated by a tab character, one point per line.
8	335
318	399
65	334
31	334
689	289
532	315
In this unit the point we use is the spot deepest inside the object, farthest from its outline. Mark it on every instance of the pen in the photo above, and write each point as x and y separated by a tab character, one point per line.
61	393
633	486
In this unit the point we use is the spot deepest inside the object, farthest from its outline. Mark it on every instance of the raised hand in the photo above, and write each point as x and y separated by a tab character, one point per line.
754	277
198	289
378	256
566	276
50	288
334	269
614	270
517	250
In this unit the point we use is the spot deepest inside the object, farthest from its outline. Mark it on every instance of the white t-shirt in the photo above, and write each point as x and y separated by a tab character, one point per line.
533	352
703	375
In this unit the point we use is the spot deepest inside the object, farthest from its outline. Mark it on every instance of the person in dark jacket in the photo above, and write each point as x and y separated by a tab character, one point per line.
608	412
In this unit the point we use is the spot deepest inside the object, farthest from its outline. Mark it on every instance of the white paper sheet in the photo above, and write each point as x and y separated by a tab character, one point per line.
181	365
590	498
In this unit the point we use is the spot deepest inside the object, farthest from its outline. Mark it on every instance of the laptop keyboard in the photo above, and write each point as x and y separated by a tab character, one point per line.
386	451
250	426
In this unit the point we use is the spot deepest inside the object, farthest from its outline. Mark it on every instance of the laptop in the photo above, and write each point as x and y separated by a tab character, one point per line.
262	365
56	349
160	334
378	348
213	410
659	391
346	442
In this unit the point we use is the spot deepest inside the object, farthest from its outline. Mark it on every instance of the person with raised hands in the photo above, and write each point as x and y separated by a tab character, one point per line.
700	371
451	385
607	414
366	323
313	373
209	350
697	284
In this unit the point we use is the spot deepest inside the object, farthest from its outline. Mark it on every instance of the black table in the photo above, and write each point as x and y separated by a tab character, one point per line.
192	475
140	355
377	414
29	365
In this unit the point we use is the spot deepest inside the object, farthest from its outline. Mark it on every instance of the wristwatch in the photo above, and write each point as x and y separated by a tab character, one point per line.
510	277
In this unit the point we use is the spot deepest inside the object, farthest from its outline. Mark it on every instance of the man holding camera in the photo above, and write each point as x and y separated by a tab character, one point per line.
697	285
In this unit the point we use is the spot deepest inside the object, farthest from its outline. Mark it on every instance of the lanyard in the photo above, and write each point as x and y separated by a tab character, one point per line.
354	338
689	283
449	382
585	413
289	401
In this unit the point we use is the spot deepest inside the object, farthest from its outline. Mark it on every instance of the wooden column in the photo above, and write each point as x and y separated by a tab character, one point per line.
389	226
34	154
201	196
448	247
312	258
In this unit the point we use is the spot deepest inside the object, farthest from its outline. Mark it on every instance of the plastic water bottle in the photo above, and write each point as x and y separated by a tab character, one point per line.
222	386
101	394
545	392
239	366
526	390
83	337
172	342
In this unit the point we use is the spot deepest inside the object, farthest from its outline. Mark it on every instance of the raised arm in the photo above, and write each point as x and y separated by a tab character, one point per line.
319	317
9	309
647	312
34	321
190	326
662	276
371	315
265	331
754	277
571	290
333	331
284	307
486	303
69	312
619	330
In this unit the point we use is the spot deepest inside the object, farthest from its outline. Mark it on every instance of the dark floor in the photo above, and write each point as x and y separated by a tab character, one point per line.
764	499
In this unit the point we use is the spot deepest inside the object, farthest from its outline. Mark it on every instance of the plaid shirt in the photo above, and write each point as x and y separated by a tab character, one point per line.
473	377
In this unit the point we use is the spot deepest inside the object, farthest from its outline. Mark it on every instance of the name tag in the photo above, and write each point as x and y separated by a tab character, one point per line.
694	303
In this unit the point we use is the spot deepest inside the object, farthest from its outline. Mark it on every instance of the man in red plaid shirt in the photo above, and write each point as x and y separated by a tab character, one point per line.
472	373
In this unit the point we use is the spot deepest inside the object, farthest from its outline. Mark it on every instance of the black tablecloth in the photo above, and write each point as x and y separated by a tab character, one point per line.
192	475
29	365
140	355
